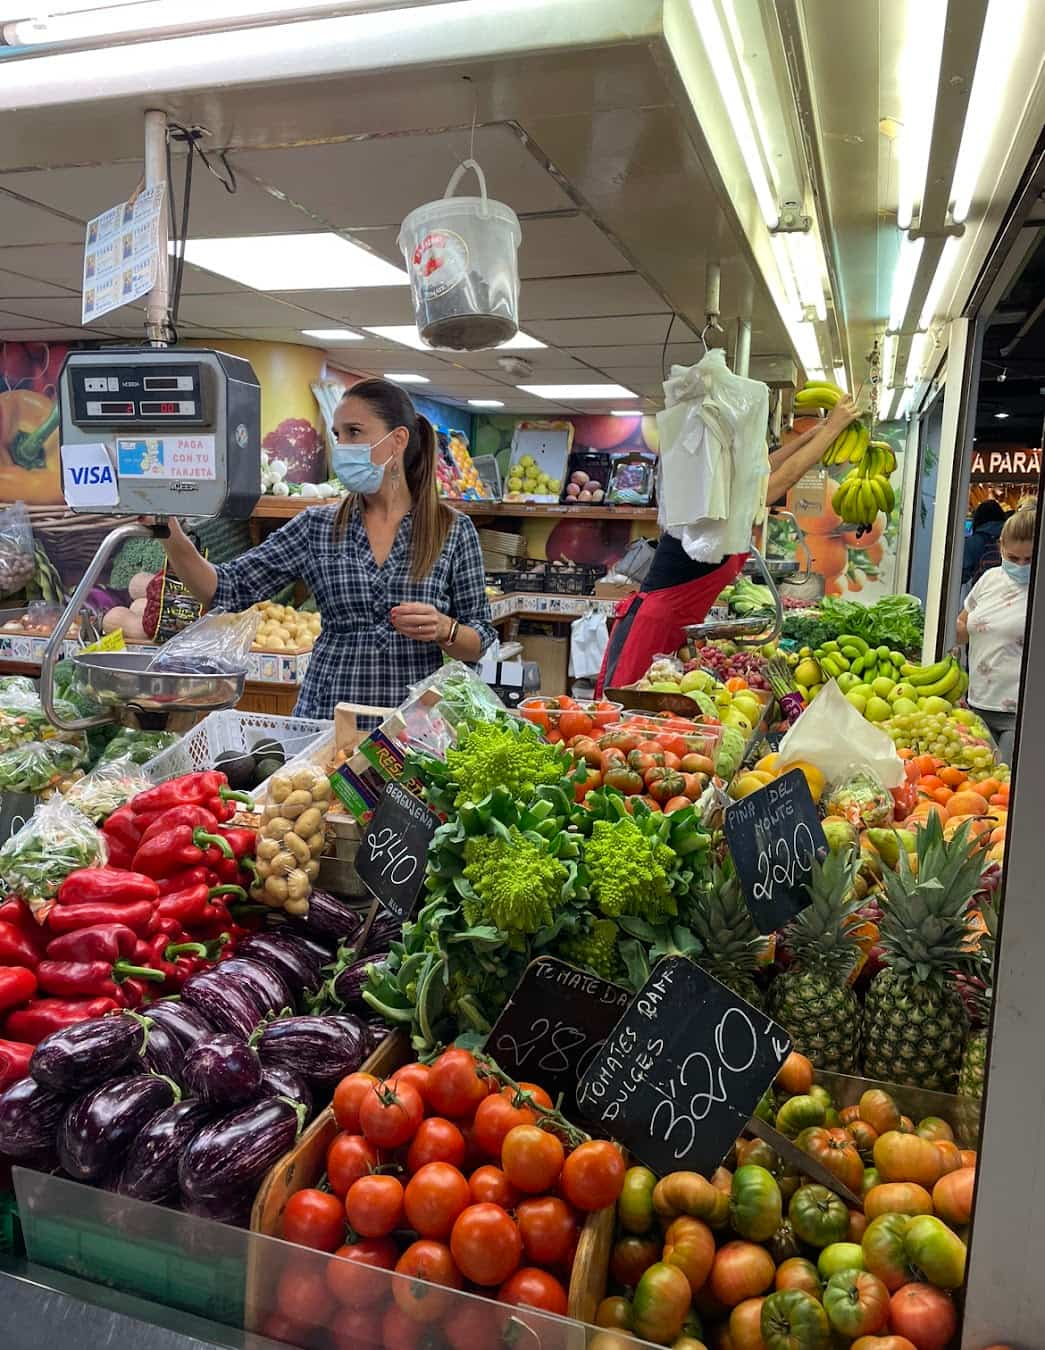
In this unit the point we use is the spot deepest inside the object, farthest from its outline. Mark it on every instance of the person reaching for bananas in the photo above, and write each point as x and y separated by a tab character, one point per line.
678	591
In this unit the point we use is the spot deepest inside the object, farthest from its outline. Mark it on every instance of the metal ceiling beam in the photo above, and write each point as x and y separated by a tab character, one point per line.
1025	327
961	45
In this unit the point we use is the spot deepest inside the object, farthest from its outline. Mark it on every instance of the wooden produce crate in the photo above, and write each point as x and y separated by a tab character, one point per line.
305	1163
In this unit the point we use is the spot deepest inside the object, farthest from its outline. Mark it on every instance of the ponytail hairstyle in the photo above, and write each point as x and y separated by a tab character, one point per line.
432	519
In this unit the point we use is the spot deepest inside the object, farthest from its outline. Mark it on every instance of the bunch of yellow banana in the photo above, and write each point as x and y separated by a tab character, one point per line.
866	490
817	396
850	447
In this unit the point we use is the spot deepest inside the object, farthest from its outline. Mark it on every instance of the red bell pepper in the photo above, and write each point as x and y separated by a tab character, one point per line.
192	789
120	856
179	815
186	907
239	869
225	804
123	827
17	985
90	979
67	918
106	886
16	949
178	848
188	876
14	1062
41	1016
99	942
18	914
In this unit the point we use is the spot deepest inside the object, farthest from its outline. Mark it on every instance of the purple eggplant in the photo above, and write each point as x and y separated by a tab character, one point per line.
164	1053
279	1082
266	984
227	1158
150	1171
82	1056
184	1022
330	920
99	1128
287	955
231	1005
30	1118
321	1049
224	1071
346	987
233	1210
385	930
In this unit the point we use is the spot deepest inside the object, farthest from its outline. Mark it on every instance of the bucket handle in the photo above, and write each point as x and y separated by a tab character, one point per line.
459	173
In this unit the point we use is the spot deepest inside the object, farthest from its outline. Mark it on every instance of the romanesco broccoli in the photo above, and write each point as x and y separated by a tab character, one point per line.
596	949
502	754
628	871
517	884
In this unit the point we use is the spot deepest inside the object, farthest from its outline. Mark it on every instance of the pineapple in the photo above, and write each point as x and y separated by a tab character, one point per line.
813	999
915	1023
974	1060
731	943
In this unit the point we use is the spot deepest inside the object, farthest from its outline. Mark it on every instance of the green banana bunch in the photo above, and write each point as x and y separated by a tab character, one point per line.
817	396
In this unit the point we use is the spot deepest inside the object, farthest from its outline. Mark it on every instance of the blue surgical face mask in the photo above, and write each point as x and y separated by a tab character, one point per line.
1020	572
354	468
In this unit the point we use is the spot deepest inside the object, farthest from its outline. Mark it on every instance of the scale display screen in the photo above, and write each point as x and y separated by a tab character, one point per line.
138	395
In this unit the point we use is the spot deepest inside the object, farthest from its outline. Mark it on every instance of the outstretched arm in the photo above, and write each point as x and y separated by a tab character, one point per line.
784	475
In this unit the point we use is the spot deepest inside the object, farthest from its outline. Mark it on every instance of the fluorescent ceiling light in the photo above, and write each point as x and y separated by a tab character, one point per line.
892	404
1003	32
405	377
293	262
407	334
720	58
916	358
626	412
1001	414
940	278
903	279
808	348
917	78
798	252
792	306
564	393
333	334
889	361
485	403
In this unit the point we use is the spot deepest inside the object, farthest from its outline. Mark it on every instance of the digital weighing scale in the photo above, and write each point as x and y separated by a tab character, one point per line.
151	431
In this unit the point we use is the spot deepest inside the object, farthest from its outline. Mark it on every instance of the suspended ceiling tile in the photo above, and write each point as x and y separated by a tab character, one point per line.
541	358
195	281
52	333
383	305
246	309
21	223
379	181
624	293
678	353
607	332
13	286
60	264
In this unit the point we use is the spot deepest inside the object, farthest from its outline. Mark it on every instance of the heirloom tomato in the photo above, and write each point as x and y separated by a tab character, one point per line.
856	1303
794	1320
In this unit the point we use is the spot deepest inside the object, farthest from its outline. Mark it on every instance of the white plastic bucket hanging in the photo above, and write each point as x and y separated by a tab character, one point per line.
461	253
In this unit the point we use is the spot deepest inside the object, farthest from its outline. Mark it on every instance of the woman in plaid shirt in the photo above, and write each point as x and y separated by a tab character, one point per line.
397	575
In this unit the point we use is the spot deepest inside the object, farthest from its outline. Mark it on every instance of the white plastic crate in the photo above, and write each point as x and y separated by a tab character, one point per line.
233	730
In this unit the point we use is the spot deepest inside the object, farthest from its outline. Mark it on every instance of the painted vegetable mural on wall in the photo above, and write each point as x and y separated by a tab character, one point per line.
29	468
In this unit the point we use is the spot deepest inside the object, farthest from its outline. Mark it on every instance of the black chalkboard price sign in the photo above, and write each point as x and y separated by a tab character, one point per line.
554	1024
394	850
683	1070
773	836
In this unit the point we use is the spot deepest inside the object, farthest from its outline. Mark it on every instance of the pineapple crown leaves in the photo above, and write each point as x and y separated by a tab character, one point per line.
821	936
924	930
721	920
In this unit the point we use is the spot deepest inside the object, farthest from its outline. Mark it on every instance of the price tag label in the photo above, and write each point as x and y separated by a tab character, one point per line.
773	836
554	1025
394	850
683	1070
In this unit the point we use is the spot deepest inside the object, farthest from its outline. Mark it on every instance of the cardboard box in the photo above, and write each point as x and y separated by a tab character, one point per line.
552	654
615	590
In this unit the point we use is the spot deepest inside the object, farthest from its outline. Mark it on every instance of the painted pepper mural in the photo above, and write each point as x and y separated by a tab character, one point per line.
575	539
29	464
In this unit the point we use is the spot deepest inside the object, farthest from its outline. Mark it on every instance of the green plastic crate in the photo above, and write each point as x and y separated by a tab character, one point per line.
10	1228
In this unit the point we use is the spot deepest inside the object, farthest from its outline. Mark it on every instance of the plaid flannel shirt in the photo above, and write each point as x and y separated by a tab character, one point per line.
359	657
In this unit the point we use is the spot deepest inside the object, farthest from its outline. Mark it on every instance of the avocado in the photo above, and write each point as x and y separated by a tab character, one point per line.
267	748
265	768
238	766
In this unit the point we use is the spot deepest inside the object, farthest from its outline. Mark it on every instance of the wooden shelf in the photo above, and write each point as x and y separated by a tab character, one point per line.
282	508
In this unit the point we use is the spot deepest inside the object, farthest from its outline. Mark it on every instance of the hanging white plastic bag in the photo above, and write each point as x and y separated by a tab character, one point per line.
588	638
17	557
836	738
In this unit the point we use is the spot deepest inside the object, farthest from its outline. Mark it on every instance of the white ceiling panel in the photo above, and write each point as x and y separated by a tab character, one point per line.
246	309
380	180
608	332
542	359
25	224
61	264
566	297
15	286
20	321
50	309
678	353
384	305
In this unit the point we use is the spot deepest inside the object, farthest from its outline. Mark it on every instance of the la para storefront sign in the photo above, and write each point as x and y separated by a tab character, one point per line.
1005	465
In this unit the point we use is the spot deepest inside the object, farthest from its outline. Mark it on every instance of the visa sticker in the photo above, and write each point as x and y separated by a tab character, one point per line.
88	477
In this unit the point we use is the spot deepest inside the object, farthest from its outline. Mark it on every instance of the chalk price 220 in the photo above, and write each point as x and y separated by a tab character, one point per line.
780	862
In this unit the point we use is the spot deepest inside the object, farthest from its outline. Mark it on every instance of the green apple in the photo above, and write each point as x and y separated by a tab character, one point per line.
733	717
847	680
877	710
696	679
808	671
858	700
723	698
903	707
932	704
883	686
903	690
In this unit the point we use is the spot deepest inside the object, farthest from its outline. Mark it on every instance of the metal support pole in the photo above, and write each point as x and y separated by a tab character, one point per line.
712	288
157	302
743	357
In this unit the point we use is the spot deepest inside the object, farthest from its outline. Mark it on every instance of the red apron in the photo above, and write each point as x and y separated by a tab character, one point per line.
658	624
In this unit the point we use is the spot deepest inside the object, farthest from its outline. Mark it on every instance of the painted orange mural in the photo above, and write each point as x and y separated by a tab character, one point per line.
29	463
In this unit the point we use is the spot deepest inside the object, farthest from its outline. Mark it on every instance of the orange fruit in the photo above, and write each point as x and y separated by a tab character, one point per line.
967	804
930	782
942	795
951	776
